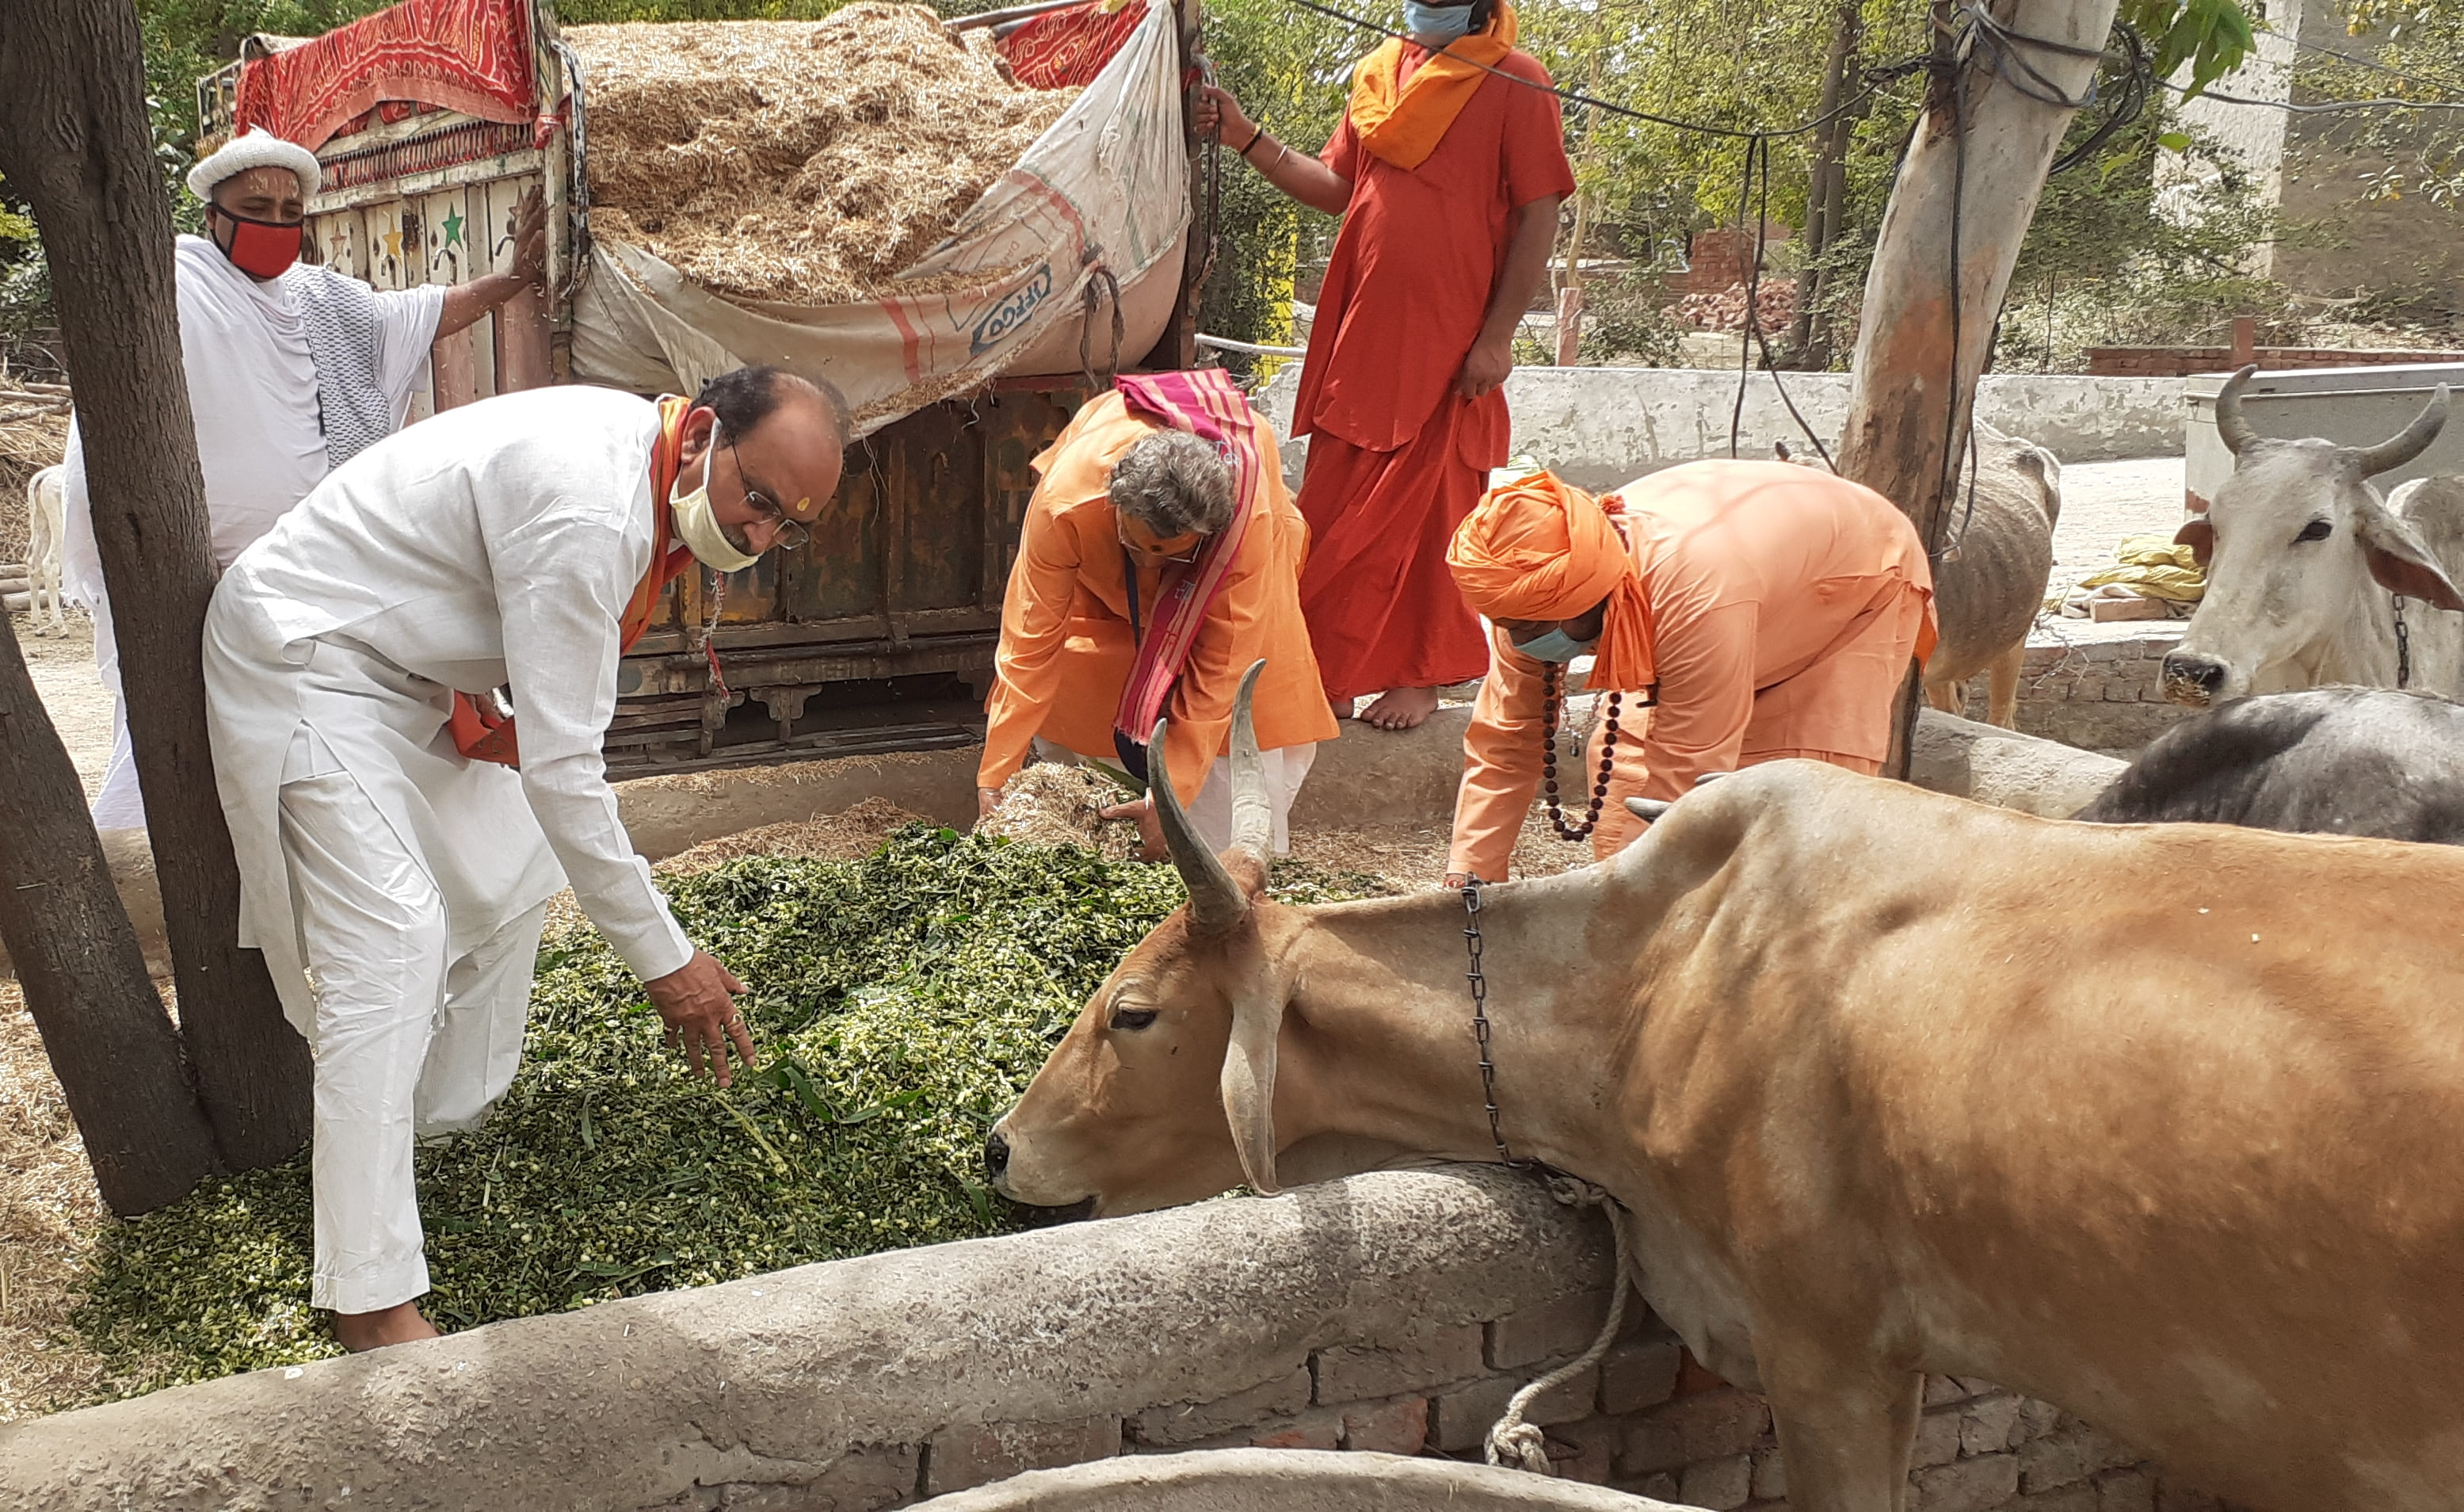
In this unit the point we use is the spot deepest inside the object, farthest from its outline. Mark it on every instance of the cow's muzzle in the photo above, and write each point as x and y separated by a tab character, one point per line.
2193	678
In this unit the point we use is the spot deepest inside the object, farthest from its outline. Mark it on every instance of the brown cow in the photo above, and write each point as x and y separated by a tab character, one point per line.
2184	1154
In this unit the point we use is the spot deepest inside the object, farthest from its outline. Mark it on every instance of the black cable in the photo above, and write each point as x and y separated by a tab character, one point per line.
2135	80
1875	80
2423	80
1752	284
1951	413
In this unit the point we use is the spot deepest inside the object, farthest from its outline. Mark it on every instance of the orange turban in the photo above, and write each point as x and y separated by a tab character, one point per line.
1537	549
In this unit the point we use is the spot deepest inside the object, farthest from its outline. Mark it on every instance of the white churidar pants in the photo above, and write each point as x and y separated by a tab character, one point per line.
1286	768
409	1039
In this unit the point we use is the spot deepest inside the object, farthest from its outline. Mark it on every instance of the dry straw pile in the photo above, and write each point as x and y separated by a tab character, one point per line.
803	162
33	433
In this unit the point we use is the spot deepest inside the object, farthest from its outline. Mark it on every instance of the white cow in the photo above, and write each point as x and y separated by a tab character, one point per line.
46	528
2312	579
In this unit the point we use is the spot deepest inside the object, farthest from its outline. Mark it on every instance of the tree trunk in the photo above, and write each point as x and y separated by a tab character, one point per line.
109	1041
75	142
1909	404
1808	337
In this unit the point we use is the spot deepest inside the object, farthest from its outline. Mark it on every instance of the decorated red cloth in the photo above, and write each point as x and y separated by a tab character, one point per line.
1210	406
1398	458
470	55
1064	48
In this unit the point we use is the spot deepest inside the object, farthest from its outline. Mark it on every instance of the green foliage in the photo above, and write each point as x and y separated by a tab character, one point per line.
1291	69
2212	36
902	1003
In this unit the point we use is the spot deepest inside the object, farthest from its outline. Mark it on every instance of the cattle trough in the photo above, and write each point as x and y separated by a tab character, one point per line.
1271	1479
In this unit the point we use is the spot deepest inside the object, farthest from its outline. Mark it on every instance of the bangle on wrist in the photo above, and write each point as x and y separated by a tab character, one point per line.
1253	139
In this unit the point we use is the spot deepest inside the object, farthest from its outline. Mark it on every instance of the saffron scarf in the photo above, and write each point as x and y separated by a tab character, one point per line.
1403	123
481	731
1537	548
1208	404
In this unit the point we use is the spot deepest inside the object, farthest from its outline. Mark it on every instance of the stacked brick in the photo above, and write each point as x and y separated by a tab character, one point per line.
1646	1419
2104	695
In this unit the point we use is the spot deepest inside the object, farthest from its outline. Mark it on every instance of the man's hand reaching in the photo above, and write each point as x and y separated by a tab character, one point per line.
697	1001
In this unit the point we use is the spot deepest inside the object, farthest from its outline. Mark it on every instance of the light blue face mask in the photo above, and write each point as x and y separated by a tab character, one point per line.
1555	646
1435	23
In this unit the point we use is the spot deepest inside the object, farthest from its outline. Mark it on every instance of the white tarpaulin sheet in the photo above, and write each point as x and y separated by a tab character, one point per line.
1105	192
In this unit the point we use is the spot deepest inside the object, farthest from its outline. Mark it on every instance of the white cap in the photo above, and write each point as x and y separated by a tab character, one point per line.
260	149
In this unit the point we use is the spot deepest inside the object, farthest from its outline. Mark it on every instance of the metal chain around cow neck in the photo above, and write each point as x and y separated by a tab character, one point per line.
1553	705
2403	647
1472	944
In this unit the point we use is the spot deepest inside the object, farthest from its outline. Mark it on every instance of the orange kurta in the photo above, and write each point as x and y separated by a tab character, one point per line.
1396	458
1785	606
1065	646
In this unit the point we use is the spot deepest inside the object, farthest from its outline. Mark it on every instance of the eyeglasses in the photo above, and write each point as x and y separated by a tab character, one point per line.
790	533
1154	558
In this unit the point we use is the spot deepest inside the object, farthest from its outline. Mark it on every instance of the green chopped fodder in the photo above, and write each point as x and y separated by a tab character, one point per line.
900	1003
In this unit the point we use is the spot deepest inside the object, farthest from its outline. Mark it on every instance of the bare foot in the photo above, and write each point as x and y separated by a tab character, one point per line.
400	1324
1400	709
1342	707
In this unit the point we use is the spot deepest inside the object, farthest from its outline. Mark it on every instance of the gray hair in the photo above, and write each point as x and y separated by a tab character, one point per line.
1172	482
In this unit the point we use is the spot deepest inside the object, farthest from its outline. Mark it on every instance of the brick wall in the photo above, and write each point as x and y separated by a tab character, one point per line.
2100	692
1649	1420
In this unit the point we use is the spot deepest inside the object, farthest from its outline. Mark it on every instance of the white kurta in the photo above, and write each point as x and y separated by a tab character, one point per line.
253	392
394	886
497	542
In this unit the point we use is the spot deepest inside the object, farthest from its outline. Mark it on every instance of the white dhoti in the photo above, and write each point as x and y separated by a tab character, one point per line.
1286	768
411	1037
401	933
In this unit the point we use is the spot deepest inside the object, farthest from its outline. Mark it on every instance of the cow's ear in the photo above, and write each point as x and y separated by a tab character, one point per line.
1248	1081
2199	534
2399	560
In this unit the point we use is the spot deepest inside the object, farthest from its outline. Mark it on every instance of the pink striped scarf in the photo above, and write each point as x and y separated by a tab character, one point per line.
1206	403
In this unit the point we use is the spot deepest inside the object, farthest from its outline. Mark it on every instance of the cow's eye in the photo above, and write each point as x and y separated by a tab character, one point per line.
1133	1017
2316	530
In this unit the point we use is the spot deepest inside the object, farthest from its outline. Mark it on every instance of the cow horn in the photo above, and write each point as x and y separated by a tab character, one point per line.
1711	776
2410	442
1253	816
1649	810
2231	428
1216	901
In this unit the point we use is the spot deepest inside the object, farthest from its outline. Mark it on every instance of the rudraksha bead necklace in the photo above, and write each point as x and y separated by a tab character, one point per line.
1553	704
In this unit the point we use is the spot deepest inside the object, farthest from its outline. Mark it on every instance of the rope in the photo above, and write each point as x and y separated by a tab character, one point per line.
1510	1440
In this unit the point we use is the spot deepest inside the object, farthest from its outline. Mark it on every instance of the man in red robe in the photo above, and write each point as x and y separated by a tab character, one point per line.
1448	170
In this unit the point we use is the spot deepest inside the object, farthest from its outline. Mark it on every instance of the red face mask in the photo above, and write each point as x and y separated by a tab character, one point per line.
262	249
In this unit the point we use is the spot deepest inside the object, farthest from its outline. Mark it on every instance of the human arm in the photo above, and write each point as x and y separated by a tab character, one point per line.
1519	278
1706	696
1304	178
1026	666
1500	765
466	302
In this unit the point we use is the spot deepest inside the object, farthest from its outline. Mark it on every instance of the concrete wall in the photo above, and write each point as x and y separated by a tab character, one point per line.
2086	687
1394	1312
1599	427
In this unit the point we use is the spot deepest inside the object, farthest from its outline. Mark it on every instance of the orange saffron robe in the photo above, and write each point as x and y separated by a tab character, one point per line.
1065	646
1785	607
1396	459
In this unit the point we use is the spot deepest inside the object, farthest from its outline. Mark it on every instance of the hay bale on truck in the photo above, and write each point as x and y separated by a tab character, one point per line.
914	210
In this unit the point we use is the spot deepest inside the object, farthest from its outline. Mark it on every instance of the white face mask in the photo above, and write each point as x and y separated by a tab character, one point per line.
699	526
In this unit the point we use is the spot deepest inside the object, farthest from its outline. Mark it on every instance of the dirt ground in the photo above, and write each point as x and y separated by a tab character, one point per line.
79	706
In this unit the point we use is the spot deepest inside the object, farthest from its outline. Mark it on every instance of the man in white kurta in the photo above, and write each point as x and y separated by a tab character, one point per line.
396	886
290	374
